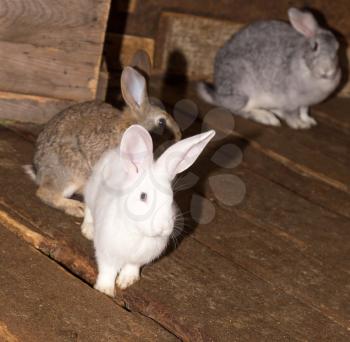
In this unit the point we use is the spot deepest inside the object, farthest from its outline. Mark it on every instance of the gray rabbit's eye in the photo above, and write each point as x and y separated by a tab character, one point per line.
143	197
314	46
161	123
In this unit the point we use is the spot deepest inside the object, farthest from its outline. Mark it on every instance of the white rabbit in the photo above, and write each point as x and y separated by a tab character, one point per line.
130	210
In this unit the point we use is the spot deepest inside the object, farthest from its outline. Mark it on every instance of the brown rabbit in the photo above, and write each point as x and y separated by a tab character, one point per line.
74	140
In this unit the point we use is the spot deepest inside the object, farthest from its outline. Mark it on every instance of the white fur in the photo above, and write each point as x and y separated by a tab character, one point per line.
128	232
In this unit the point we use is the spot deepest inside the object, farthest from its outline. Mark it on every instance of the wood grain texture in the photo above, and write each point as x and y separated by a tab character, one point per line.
51	48
30	108
147	13
128	6
187	44
221	296
37	292
335	113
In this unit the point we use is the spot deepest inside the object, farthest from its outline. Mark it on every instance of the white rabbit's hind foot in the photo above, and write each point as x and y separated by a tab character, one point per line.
263	116
129	275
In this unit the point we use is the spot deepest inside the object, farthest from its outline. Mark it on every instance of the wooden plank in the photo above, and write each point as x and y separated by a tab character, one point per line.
102	85
62	306
146	18
187	44
311	189
277	235
310	227
263	315
29	108
283	211
294	154
275	259
335	113
128	6
58	54
219	299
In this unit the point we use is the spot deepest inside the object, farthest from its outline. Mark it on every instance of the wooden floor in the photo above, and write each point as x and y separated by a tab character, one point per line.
274	267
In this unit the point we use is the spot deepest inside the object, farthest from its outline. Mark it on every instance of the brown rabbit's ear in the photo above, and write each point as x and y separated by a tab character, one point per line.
134	89
142	62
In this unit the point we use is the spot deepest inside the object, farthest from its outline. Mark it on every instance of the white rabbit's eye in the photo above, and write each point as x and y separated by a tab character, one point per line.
143	197
161	122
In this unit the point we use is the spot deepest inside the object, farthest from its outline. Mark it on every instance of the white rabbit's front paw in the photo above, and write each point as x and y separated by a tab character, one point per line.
129	275
107	289
105	281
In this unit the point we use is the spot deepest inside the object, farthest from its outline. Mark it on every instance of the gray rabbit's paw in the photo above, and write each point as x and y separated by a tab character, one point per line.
299	123
264	116
129	275
74	208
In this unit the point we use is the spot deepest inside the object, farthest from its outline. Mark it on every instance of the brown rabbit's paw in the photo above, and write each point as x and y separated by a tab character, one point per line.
75	208
87	230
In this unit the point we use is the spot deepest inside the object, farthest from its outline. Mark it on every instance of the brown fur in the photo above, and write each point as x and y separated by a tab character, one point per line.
74	140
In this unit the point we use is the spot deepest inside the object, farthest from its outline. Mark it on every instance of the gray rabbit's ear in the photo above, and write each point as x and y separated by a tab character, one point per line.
134	88
303	22
142	62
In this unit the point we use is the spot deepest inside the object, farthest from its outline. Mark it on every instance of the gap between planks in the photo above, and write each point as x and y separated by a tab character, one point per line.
299	297
58	251
298	168
80	268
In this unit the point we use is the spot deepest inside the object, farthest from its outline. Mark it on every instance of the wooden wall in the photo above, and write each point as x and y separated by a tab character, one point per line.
50	55
182	32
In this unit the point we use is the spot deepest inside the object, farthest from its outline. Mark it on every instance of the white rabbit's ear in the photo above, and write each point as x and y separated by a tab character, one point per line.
134	88
303	22
183	154
136	149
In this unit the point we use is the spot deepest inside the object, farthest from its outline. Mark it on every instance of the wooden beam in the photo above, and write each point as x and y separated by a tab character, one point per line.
52	49
30	108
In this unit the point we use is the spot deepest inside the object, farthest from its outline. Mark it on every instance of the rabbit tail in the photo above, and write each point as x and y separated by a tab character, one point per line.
29	170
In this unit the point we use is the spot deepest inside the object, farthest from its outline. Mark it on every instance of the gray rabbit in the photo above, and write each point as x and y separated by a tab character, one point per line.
74	140
271	70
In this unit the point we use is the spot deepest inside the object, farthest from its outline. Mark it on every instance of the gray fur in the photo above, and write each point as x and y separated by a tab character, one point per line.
269	70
